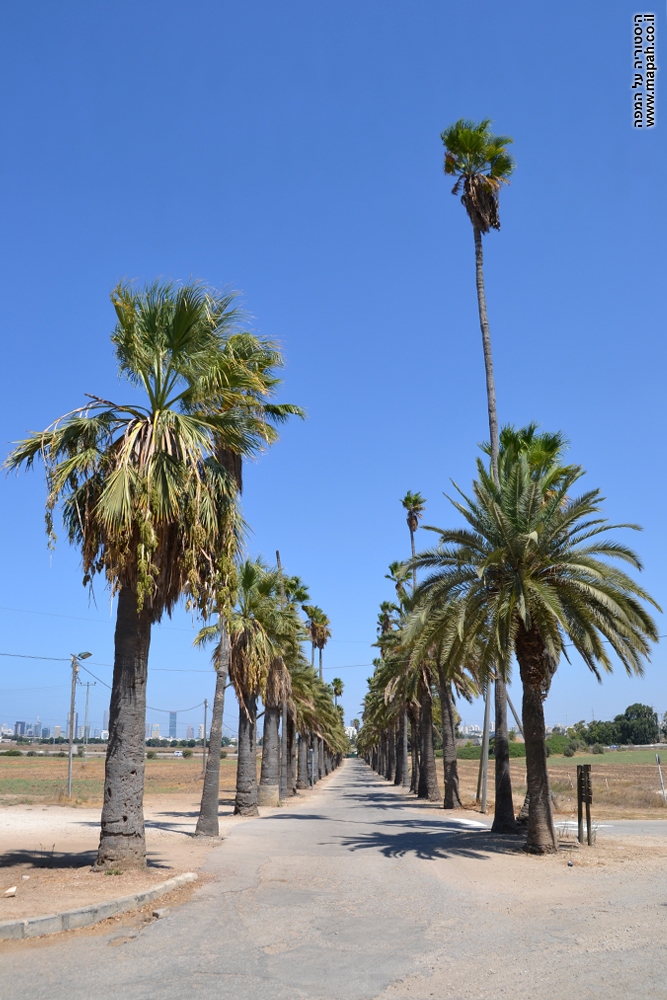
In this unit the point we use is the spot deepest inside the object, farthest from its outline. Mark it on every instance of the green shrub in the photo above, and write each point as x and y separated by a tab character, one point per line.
151	755
597	748
568	751
12	752
557	743
223	754
548	749
187	753
31	753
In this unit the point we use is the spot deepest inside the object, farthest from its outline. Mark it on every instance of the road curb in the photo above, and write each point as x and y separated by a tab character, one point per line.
69	920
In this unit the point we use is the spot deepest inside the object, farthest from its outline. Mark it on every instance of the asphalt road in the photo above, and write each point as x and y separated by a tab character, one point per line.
358	894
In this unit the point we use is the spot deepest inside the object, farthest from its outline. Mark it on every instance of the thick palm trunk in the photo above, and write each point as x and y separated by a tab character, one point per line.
291	756
541	838
122	836
414	737
302	765
503	819
391	754
320	756
451	767
246	769
402	759
207	823
428	775
269	778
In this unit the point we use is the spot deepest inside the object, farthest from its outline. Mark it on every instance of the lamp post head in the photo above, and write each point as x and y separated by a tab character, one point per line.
83	656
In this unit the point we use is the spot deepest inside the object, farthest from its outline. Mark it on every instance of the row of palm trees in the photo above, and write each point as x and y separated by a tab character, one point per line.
150	493
529	575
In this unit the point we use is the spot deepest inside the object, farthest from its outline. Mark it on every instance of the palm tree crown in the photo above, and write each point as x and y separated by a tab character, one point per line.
480	162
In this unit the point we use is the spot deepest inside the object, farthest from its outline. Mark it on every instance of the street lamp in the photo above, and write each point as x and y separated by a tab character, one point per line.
75	670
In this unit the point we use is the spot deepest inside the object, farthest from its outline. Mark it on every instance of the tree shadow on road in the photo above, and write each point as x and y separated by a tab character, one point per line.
50	858
432	841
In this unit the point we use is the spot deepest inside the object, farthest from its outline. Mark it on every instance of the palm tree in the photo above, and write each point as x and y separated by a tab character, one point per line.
252	630
240	388
337	688
481	164
149	505
414	504
530	575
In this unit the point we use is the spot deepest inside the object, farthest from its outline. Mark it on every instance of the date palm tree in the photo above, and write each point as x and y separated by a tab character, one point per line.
481	164
151	508
532	573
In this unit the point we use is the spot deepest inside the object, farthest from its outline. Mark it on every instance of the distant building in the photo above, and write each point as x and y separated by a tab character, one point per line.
46	733
189	733
19	729
56	732
350	732
155	731
96	734
104	735
80	732
172	725
201	733
37	728
76	723
105	719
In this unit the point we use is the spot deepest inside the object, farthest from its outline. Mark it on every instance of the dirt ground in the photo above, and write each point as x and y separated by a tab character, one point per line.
47	848
621	789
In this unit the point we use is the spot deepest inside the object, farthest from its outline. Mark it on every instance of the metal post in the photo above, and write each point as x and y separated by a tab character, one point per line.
75	671
580	805
203	766
662	784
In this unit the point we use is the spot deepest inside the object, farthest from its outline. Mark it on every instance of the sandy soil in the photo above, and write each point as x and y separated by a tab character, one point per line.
47	851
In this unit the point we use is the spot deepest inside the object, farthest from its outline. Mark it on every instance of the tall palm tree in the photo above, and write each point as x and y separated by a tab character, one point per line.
531	574
337	688
239	388
414	504
149	505
481	164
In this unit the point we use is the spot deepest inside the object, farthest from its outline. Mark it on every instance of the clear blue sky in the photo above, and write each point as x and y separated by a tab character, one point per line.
292	150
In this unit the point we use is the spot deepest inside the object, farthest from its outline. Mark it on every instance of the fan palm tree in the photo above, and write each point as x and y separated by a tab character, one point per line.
531	574
149	505
337	688
481	164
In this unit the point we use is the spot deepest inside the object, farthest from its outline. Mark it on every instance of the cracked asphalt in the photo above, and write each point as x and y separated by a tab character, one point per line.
359	893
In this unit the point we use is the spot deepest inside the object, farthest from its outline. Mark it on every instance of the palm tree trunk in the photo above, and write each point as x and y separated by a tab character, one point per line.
414	738
320	756
530	652
291	756
246	769
321	669
284	756
302	763
122	835
488	357
503	818
207	823
504	802
391	754
451	767
269	777
428	775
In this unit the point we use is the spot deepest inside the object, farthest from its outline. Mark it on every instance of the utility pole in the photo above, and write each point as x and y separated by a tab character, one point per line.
72	703
86	727
203	766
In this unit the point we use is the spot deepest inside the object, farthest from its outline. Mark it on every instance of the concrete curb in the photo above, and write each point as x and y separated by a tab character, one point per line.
30	927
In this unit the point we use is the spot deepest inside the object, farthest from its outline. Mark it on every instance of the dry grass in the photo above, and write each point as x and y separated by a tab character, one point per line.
622	789
44	779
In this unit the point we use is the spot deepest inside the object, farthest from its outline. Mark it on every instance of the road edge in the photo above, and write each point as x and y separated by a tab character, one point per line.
68	920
